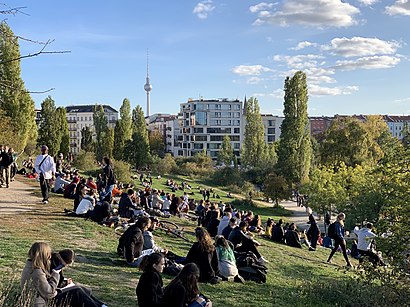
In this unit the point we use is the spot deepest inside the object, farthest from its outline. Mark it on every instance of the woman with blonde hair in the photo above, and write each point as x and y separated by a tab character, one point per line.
339	238
36	276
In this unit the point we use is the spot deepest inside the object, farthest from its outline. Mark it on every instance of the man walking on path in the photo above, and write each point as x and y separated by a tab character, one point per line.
46	169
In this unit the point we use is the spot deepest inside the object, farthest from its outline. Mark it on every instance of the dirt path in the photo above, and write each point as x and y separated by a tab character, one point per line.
18	198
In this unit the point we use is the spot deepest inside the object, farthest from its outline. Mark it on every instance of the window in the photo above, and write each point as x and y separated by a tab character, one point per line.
219	130
216	114
90	118
236	107
237	114
225	107
215	122
236	130
271	130
186	115
200	138
226	114
236	145
199	106
198	130
214	145
236	122
81	118
180	152
200	118
271	123
198	146
234	138
213	154
271	138
216	138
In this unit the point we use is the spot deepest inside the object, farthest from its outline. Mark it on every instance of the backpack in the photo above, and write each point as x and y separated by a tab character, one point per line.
254	273
331	231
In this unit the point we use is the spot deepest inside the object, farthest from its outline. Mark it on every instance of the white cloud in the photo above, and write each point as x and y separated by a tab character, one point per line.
403	100
298	61
203	9
316	90
400	7
250	70
303	45
324	13
367	2
374	62
360	46
278	93
261	7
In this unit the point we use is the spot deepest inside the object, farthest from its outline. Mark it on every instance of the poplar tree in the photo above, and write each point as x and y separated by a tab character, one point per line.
62	126
15	102
254	136
48	132
225	154
101	127
86	139
295	151
137	150
109	144
123	130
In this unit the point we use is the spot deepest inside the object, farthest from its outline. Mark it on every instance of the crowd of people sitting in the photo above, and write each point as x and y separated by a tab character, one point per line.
225	247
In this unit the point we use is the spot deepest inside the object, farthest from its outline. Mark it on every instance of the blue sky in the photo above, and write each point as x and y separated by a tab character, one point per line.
355	52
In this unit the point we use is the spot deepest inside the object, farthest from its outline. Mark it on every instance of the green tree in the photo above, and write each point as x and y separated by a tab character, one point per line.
137	150
123	129
225	154
101	128
15	100
254	136
87	139
109	145
277	188
62	127
157	143
167	165
295	151
49	133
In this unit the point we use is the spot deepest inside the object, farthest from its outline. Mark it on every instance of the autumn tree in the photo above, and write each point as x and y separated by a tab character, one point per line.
295	151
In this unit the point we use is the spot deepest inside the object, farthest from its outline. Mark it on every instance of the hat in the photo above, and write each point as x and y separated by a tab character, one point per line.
44	147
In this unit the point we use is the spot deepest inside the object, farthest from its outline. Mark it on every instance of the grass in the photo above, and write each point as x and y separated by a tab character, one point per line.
114	282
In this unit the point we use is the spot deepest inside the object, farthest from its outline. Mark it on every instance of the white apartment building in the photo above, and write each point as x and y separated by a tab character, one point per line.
80	116
204	123
396	124
272	125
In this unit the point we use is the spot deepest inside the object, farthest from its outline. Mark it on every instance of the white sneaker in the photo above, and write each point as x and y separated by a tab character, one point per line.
45	202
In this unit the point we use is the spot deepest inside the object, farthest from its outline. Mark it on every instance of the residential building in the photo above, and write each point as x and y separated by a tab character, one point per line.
81	116
204	124
397	124
272	125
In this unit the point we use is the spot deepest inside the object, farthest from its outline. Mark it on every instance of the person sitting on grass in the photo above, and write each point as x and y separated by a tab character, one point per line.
255	225
292	237
87	204
227	230
131	243
38	277
269	226
149	242
150	292
224	222
226	260
183	290
202	253
126	206
70	189
278	233
60	183
244	243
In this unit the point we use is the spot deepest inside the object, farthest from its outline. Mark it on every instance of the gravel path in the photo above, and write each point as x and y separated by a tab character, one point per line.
18	198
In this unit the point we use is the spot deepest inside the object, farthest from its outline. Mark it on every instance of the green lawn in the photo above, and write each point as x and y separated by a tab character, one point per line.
114	282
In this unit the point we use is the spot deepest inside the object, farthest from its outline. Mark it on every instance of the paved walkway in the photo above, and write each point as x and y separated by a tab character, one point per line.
18	198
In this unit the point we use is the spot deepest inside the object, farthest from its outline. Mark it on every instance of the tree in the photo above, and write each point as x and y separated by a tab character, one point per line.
295	151
62	127
15	101
156	143
49	133
254	136
109	145
225	154
101	127
87	139
276	188
123	129
137	150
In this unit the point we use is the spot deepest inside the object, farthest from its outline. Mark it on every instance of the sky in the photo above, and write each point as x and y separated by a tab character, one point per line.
355	52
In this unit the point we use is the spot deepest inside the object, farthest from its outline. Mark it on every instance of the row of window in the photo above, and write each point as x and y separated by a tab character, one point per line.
202	106
200	146
86	118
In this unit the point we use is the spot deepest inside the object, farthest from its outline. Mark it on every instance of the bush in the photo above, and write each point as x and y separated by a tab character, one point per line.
86	162
227	176
122	171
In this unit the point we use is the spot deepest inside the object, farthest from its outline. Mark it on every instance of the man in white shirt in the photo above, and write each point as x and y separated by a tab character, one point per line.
46	169
364	241
60	184
86	205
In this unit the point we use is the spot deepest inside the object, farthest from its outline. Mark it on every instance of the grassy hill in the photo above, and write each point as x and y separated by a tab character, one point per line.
296	277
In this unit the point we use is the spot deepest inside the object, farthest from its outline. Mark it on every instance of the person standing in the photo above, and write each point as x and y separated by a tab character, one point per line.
313	233
6	161
339	238
108	179
46	169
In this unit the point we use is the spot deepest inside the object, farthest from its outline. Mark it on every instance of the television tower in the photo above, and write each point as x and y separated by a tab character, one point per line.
147	86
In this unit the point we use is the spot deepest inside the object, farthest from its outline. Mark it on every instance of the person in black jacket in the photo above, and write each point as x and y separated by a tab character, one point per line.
278	233
126	205
183	289
292	237
202	253
313	233
108	179
132	241
102	212
150	292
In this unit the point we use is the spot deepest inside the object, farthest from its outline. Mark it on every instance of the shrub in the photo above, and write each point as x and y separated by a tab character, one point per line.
122	171
85	161
227	176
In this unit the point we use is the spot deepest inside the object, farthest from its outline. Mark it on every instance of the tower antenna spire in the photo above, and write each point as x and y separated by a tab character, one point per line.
148	86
